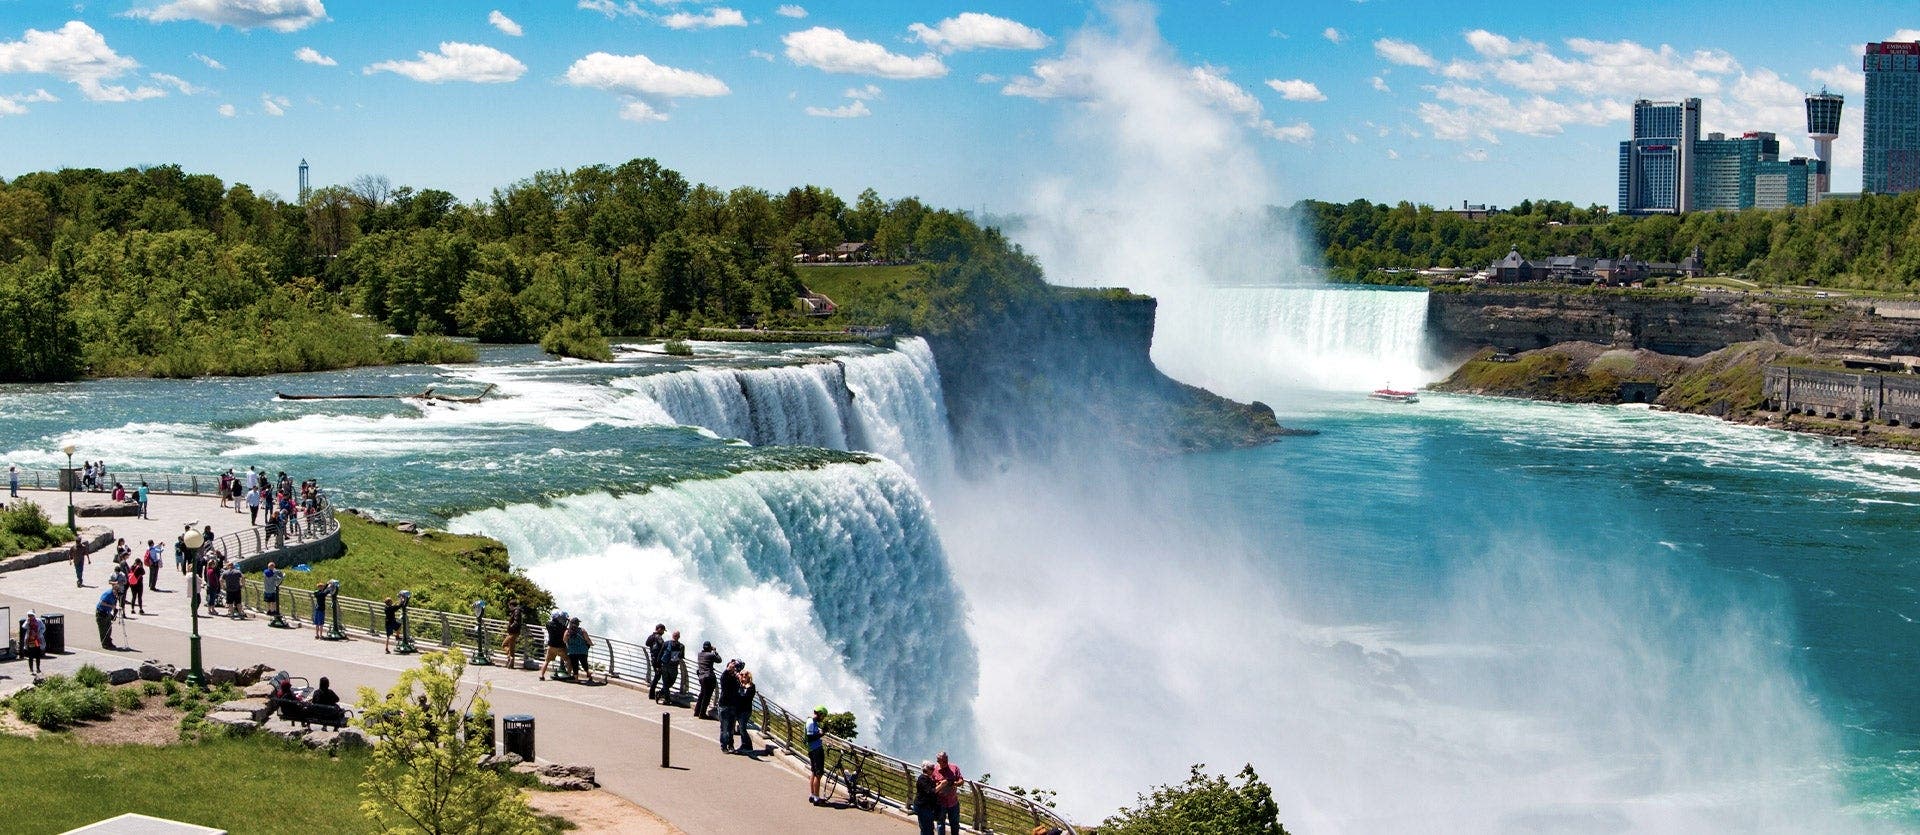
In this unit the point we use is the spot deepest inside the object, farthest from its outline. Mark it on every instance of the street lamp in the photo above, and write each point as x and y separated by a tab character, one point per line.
193	540
71	477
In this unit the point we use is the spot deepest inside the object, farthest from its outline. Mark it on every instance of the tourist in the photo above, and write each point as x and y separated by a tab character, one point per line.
140	497
729	691
947	779
253	505
392	611
319	609
270	591
556	644
516	623
79	563
103	617
926	798
703	664
743	712
236	607
210	580
33	641
324	695
136	583
118	583
816	753
152	559
239	492
226	485
672	655
119	493
578	642
13	481
180	553
656	644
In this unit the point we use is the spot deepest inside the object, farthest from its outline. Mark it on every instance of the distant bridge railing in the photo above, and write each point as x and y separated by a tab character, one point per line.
987	808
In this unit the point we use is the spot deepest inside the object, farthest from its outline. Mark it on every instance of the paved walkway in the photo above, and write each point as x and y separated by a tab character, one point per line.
611	727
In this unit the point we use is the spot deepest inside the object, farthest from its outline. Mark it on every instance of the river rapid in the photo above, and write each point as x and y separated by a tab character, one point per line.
1464	614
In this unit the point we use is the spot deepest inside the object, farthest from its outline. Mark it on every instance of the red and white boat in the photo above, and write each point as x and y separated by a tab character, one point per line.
1395	396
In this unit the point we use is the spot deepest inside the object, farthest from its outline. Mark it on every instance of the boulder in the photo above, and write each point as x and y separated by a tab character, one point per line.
250	675
96	537
285	729
259	690
233	722
256	708
507	760
524	768
565	777
122	675
350	738
155	671
96	508
222	675
407	527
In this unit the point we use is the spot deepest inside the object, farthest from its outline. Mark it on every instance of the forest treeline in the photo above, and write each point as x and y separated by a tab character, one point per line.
158	271
1872	243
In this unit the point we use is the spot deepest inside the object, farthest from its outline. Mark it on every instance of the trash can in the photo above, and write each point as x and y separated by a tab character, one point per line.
56	633
69	479
516	732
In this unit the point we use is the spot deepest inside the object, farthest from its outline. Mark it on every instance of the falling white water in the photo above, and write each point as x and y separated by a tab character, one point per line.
830	582
888	403
1250	342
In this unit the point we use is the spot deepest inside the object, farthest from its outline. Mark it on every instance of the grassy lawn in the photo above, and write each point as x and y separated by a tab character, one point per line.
1725	281
444	571
861	291
242	785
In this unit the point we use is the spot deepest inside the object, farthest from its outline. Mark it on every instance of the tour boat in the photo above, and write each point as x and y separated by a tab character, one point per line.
1395	396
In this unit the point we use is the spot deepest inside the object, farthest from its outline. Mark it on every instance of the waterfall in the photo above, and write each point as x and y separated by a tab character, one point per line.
1248	342
887	403
830	583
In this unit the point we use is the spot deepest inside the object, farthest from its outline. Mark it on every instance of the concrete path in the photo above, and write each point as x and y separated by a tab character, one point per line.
611	727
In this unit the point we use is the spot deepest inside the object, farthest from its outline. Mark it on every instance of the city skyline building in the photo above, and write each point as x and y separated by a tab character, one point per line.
1890	142
1657	164
1823	126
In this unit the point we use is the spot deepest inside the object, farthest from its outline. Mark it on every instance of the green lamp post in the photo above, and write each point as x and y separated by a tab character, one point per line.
195	676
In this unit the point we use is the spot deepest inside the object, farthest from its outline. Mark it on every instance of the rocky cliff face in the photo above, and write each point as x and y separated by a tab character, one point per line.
1078	372
1670	323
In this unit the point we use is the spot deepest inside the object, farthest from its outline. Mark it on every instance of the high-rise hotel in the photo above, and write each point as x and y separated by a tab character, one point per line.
1891	163
1656	165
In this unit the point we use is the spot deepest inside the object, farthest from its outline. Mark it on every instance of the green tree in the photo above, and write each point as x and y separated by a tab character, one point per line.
424	774
1205	804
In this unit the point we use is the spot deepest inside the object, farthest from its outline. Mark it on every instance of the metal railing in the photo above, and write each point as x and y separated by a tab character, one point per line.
986	808
173	484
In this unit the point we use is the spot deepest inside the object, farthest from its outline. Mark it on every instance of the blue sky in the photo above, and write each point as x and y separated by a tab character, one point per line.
963	104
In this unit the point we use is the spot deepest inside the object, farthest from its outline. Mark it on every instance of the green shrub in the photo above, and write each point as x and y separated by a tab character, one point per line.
90	676
578	338
58	701
128	699
151	688
679	348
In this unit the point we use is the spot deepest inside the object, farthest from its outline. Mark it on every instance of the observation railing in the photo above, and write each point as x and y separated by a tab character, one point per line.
986	808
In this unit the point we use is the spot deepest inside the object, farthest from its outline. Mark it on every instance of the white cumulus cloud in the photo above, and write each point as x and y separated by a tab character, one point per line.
638	74
832	51
639	111
456	61
505	24
973	30
275	105
1843	78
309	55
229	111
278	15
850	110
185	87
211	64
1402	52
1332	34
1296	89
1381	85
611	8
711	19
871	92
792	11
76	54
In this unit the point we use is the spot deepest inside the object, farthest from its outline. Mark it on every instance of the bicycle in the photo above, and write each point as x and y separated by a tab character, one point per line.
859	796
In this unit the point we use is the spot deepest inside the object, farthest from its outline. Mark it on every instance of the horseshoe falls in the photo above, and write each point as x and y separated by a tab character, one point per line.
1247	342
